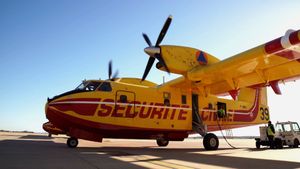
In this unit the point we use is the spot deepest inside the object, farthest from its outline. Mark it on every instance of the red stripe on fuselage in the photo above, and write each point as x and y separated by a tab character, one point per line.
76	99
130	109
66	122
82	109
226	127
251	114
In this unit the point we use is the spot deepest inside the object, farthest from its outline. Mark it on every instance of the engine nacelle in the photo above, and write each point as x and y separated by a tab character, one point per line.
181	59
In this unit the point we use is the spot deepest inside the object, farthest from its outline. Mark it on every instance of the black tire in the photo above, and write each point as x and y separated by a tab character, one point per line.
257	144
161	142
278	143
72	142
296	143
210	142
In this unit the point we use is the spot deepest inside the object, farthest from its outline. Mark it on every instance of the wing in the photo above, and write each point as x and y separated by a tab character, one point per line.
265	65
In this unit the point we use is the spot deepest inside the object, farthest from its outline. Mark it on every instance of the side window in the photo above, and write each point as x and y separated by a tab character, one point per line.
210	106
105	86
92	86
167	97
183	99
287	127
295	127
279	128
123	99
166	102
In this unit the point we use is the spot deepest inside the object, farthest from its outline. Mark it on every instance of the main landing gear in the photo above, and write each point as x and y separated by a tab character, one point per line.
72	142
210	141
161	142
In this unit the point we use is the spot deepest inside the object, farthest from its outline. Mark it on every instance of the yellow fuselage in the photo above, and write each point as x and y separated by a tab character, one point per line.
132	105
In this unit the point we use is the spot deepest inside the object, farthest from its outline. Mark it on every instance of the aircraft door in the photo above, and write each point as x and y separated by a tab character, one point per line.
198	124
195	108
125	104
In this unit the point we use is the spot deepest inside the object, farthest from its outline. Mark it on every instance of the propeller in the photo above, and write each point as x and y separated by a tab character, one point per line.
147	39
110	72
154	51
163	31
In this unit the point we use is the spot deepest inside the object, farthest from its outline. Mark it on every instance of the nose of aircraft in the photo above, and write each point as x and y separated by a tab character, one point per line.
47	109
50	109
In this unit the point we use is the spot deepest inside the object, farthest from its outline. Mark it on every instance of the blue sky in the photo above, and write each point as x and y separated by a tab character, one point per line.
47	47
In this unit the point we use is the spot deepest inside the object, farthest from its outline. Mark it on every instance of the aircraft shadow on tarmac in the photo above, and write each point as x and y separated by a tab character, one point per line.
33	137
47	154
191	155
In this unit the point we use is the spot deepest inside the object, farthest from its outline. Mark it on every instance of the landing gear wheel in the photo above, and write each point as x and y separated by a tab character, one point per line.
72	142
161	142
210	142
296	143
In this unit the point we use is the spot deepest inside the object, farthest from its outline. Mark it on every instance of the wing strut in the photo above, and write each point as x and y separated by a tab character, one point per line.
234	94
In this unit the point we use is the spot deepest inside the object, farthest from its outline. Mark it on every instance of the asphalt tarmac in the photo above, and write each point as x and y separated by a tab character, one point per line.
30	151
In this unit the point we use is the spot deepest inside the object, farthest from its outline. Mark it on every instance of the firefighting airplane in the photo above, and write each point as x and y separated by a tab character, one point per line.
139	109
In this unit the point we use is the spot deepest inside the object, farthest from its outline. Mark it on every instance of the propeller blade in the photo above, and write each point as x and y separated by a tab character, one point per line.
162	61
163	31
115	75
147	39
148	67
109	69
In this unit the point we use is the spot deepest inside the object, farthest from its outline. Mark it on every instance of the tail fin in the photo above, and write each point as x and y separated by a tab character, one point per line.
248	95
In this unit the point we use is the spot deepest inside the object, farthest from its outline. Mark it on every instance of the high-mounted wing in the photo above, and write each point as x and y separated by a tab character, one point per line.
267	64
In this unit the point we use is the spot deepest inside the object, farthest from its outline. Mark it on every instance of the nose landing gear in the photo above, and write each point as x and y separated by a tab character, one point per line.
161	142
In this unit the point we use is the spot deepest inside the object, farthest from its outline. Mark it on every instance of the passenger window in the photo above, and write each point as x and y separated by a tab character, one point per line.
210	106
183	99
105	86
167	102
123	99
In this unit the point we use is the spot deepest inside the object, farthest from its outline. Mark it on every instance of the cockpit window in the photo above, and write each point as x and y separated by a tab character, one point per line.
88	86
92	86
81	86
105	86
